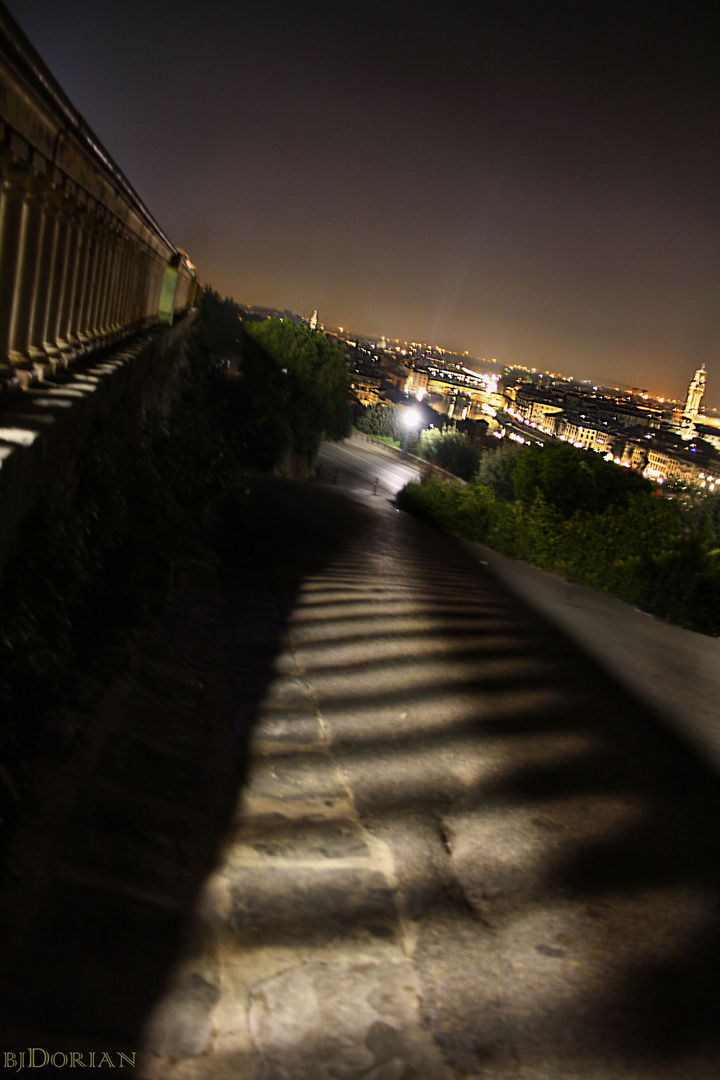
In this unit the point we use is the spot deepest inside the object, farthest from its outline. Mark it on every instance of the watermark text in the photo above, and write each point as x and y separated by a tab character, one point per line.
35	1057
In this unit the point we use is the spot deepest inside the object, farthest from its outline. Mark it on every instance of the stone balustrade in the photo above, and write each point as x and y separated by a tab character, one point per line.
83	263
93	295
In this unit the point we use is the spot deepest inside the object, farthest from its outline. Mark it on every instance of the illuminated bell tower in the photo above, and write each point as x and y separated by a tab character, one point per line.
696	390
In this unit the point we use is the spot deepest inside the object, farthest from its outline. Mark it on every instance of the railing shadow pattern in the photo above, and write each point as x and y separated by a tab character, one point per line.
432	839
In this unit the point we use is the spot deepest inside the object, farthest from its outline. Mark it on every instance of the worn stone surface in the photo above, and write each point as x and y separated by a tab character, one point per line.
356	814
281	904
181	1024
337	1022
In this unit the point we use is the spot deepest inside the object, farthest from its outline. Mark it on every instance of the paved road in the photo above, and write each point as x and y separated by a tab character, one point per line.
674	672
358	814
355	466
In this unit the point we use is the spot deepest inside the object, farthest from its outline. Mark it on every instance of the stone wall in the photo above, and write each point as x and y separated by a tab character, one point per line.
43	430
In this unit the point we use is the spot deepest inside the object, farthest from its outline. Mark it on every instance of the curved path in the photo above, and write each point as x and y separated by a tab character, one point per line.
357	813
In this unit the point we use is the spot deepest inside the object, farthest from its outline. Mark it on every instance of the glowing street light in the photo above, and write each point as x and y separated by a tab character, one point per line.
411	422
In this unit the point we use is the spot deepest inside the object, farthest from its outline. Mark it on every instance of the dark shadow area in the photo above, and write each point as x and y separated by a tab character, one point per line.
118	876
555	845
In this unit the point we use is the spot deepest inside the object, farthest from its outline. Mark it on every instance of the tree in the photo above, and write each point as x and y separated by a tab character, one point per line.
224	323
497	467
569	479
450	450
379	420
296	391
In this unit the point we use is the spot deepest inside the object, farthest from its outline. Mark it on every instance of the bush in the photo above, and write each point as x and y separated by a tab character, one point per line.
294	394
450	450
570	479
497	467
655	553
472	512
382	421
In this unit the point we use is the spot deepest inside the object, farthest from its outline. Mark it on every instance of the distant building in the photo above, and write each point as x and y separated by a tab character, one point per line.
696	390
416	384
587	437
668	466
366	389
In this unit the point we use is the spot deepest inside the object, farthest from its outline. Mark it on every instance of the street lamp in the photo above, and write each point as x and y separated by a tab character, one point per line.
411	422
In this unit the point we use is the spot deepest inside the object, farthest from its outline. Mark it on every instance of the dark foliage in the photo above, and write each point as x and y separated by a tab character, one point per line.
97	552
497	468
383	421
224	332
592	523
450	450
295	391
570	479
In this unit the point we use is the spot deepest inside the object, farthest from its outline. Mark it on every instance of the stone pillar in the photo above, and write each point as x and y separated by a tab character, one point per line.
12	230
113	293
158	280
97	312
42	300
26	278
145	283
135	313
105	320
90	283
124	294
69	287
84	253
114	300
58	283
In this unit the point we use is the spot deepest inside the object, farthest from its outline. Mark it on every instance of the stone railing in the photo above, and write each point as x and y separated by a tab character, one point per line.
82	261
93	296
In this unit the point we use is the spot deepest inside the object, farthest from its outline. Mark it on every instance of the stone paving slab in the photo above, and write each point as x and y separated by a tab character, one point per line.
378	823
303	841
285	731
342	1022
278	905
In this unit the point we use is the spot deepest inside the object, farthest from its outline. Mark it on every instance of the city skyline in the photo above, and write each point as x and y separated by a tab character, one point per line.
537	183
465	356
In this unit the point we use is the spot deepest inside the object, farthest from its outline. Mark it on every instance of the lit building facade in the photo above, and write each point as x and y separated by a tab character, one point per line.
696	390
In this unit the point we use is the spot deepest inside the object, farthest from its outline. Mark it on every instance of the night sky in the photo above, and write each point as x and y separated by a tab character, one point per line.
536	183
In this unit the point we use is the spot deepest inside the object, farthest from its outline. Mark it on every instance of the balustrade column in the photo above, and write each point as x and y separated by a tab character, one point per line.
72	264
81	282
12	229
134	314
97	311
26	280
115	290
126	282
59	281
43	296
